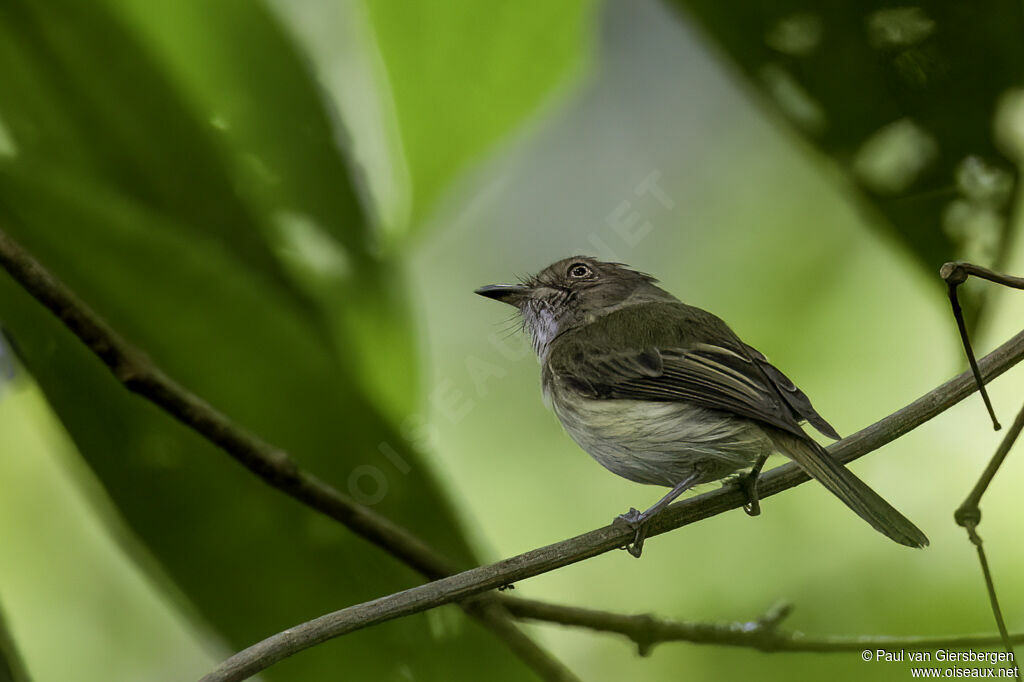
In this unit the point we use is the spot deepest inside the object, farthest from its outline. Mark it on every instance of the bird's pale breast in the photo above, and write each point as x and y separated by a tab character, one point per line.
658	442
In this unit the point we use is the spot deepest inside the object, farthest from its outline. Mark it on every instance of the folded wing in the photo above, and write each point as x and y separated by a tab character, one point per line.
718	371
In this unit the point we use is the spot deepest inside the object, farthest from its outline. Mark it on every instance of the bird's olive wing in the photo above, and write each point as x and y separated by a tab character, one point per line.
794	397
709	375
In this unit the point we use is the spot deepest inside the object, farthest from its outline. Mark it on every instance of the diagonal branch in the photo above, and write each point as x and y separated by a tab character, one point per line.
475	581
275	466
762	634
278	469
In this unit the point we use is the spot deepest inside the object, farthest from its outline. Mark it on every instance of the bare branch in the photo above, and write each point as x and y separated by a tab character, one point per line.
275	466
763	634
956	272
968	514
475	581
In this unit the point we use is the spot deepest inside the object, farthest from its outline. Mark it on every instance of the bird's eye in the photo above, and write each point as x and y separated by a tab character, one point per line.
580	271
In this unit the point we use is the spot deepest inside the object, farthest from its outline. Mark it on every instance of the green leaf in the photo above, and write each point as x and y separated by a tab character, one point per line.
250	559
904	100
173	162
8	364
286	152
463	74
224	141
11	667
242	74
80	93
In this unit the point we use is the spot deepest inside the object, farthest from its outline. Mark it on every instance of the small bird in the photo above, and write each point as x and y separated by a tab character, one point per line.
663	393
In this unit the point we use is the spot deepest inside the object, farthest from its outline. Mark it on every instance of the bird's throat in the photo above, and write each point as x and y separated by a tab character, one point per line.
542	325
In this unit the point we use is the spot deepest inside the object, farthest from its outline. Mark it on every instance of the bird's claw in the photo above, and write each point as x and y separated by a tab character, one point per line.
637	521
631	518
748	484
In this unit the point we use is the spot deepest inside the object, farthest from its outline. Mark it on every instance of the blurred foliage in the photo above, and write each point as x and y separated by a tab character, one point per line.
179	164
216	225
759	234
66	575
903	98
11	667
80	94
8	364
282	147
265	108
462	72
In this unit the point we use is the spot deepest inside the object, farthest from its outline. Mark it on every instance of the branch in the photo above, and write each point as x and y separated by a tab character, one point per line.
475	581
968	514
275	466
956	273
762	634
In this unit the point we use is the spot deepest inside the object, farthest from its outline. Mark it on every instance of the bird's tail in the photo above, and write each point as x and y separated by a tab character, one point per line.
854	492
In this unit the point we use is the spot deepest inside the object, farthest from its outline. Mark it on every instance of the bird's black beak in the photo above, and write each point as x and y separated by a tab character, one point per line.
512	294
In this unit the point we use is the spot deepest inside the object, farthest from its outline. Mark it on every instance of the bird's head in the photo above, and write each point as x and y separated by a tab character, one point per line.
573	292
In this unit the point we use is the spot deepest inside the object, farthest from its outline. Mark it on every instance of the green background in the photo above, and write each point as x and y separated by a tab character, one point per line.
288	206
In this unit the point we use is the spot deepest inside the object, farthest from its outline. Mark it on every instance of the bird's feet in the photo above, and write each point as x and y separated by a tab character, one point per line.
748	484
638	522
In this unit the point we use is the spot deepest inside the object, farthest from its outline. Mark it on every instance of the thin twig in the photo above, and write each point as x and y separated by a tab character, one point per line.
475	581
993	599
968	514
275	466
763	634
955	274
957	271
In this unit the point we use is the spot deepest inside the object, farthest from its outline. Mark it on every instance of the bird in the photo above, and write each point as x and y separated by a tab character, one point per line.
664	393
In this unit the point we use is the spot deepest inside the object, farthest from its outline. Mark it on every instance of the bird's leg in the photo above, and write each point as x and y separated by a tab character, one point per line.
639	522
748	482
